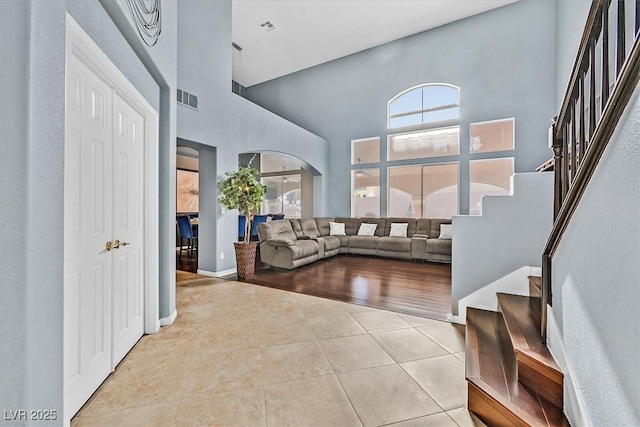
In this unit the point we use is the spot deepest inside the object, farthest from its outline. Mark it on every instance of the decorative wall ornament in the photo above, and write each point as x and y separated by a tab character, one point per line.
147	16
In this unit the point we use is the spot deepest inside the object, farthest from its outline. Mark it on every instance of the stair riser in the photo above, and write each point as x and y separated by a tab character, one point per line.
489	411
540	379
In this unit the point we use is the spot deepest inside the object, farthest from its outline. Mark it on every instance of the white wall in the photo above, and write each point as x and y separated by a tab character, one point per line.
596	282
510	234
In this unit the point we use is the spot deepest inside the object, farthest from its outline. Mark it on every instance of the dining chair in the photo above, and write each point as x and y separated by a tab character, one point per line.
257	220
277	216
187	232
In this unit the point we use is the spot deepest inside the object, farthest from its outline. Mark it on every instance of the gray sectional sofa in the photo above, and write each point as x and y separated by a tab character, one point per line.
291	243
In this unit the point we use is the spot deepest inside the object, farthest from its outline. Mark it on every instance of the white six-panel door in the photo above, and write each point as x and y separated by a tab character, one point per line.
104	196
87	264
128	176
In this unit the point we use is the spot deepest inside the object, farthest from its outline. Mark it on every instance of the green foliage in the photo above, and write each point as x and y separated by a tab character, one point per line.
242	190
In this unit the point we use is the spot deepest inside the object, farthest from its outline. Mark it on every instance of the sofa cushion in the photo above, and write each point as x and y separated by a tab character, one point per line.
309	227
435	227
411	227
380	225
337	229
439	246
295	225
395	244
278	229
363	242
367	229
445	231
323	225
423	226
331	243
350	225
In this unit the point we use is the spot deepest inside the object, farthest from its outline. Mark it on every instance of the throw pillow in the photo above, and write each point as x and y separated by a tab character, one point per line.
367	229
445	231
336	229
398	229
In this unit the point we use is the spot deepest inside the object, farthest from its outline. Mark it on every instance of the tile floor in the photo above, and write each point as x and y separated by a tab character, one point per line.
240	354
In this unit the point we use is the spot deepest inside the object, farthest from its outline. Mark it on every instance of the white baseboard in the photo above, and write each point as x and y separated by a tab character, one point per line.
217	273
574	406
166	321
485	298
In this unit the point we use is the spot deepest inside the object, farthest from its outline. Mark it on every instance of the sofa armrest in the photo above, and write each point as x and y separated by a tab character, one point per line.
308	238
420	236
280	242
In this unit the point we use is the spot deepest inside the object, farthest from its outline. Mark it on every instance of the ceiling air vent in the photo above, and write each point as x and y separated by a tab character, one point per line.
187	99
268	26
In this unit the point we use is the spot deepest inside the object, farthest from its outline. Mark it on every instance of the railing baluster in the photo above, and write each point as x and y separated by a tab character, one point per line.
573	153
592	89
620	43
605	56
581	133
565	160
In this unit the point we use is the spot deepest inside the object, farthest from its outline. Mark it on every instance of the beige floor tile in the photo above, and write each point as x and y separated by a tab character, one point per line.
448	335
356	308
277	331
293	361
315	306
309	402
217	372
153	415
356	352
380	320
129	388
220	337
338	324
408	344
460	355
231	408
385	395
442	377
419	321
436	420
464	418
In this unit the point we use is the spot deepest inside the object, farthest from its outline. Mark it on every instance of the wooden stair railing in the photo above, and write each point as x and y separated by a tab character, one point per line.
601	84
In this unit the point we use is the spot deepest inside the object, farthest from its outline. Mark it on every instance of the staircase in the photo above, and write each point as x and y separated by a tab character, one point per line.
513	379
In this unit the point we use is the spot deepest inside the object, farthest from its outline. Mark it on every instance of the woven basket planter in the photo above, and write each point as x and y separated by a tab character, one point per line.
246	259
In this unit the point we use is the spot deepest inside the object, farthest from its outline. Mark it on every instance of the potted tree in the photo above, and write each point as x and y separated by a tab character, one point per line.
242	190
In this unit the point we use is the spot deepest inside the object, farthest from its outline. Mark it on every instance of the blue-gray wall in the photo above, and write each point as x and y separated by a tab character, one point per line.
227	122
596	282
14	112
503	61
571	16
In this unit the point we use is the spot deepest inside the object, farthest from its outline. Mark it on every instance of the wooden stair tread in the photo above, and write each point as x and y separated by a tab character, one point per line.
522	317
489	373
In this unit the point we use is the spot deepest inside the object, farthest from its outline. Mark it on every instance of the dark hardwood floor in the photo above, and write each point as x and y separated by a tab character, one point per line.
417	288
186	263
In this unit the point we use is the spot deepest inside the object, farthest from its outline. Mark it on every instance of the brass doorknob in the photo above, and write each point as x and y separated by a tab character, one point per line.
118	244
108	246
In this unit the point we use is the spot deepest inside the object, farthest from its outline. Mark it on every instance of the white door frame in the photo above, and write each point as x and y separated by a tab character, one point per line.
80	45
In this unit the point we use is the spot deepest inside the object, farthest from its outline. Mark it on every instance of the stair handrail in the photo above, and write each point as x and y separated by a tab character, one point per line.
576	154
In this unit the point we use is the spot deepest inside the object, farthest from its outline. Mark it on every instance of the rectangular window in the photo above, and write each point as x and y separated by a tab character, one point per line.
366	193
496	135
283	195
423	191
428	143
488	177
366	150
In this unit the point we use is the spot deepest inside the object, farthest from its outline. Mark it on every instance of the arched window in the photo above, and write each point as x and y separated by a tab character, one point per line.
428	103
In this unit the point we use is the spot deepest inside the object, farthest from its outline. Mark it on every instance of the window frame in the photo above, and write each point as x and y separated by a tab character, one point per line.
440	123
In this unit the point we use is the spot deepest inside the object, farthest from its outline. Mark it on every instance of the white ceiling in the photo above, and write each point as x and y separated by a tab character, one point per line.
311	32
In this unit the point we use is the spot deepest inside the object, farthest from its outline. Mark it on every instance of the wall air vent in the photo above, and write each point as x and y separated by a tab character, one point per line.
187	99
268	26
